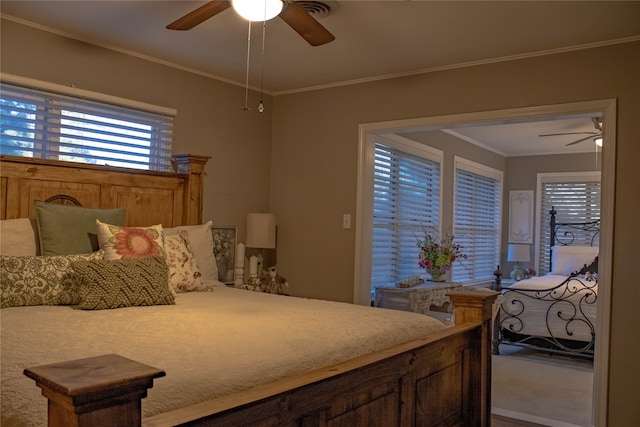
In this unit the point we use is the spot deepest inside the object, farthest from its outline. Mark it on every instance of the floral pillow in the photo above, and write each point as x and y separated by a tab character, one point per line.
40	280
130	242
201	243
184	272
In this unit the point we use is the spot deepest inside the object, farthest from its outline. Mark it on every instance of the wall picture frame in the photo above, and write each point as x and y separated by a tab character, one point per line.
224	249
521	216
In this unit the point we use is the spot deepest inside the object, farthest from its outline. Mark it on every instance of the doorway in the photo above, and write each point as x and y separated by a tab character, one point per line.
605	109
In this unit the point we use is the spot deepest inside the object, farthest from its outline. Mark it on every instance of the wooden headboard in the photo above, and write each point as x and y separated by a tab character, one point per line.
170	199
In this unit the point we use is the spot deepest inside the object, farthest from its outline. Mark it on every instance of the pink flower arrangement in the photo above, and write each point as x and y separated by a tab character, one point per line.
437	255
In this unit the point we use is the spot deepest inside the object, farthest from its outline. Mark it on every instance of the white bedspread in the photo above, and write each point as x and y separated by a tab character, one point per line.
209	344
547	281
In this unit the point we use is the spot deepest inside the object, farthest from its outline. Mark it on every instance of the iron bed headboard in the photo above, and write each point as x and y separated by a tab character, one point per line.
566	233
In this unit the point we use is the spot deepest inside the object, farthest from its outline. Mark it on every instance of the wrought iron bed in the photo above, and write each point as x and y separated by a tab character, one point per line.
555	317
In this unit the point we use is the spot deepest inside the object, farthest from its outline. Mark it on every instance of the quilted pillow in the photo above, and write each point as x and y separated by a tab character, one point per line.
201	241
119	283
40	280
184	273
68	230
130	242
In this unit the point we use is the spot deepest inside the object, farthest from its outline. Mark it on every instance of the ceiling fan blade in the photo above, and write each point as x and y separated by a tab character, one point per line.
570	133
199	15
305	25
582	139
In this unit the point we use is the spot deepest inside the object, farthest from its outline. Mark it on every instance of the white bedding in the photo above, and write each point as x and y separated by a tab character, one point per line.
543	317
209	344
539	282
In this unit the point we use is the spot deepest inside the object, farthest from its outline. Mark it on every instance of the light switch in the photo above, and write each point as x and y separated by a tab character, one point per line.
346	221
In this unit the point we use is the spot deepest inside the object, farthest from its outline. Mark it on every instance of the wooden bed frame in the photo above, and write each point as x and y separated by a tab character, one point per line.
442	379
170	199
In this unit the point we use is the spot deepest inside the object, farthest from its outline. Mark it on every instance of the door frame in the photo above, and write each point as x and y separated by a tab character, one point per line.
607	108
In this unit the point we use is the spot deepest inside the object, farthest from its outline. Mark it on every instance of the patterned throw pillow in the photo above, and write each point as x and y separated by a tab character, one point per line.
130	242
40	280
123	283
184	272
201	242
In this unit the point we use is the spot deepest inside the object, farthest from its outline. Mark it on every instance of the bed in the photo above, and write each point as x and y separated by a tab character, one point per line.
556	312
202	353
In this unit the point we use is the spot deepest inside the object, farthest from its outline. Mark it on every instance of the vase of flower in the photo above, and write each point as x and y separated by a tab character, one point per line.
436	275
437	255
222	267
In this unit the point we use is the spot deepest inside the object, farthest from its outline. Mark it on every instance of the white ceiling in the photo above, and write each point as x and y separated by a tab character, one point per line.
374	39
522	138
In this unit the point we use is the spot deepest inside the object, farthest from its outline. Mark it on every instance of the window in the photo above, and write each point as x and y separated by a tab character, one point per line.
477	219
575	197
51	125
406	202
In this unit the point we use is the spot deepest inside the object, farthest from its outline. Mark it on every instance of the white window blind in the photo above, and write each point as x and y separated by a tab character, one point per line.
41	124
477	220
406	203
576	200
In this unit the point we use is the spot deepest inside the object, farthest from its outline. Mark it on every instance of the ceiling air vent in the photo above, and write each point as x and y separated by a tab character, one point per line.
315	8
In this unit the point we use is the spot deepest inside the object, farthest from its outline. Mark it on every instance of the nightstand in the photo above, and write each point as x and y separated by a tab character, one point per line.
424	298
504	284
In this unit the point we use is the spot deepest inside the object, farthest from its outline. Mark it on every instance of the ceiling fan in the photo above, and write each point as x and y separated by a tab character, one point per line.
293	14
597	123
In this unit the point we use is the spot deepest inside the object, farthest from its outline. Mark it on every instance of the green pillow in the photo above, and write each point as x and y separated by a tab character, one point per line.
67	230
123	283
40	280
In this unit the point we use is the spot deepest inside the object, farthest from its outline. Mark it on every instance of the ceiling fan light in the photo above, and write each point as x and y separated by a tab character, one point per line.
598	141
257	10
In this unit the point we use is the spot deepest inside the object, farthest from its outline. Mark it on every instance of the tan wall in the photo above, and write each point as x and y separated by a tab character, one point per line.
308	143
209	120
314	162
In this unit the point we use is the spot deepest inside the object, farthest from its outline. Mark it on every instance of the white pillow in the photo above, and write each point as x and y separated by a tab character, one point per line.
201	242
18	237
567	259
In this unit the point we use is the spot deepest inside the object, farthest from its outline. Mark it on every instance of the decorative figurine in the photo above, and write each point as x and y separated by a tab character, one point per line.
273	283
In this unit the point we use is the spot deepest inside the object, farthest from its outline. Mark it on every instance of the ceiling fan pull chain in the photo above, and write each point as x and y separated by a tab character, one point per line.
246	85
264	32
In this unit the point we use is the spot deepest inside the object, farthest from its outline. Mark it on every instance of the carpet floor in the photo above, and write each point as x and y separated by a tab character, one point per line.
547	390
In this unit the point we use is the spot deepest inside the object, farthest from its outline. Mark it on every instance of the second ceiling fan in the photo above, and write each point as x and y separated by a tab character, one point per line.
293	14
597	123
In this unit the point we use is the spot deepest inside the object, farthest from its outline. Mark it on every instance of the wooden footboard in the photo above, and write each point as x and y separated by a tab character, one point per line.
442	379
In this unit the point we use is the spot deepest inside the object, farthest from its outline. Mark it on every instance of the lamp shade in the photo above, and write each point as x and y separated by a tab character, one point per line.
257	10
261	230
518	253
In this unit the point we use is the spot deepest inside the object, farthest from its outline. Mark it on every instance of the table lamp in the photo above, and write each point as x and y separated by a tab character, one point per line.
518	253
261	234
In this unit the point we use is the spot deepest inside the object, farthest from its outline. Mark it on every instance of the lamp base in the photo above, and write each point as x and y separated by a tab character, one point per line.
518	273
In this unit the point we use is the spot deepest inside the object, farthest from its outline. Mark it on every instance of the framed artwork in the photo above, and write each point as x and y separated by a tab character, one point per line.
521	216
224	249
